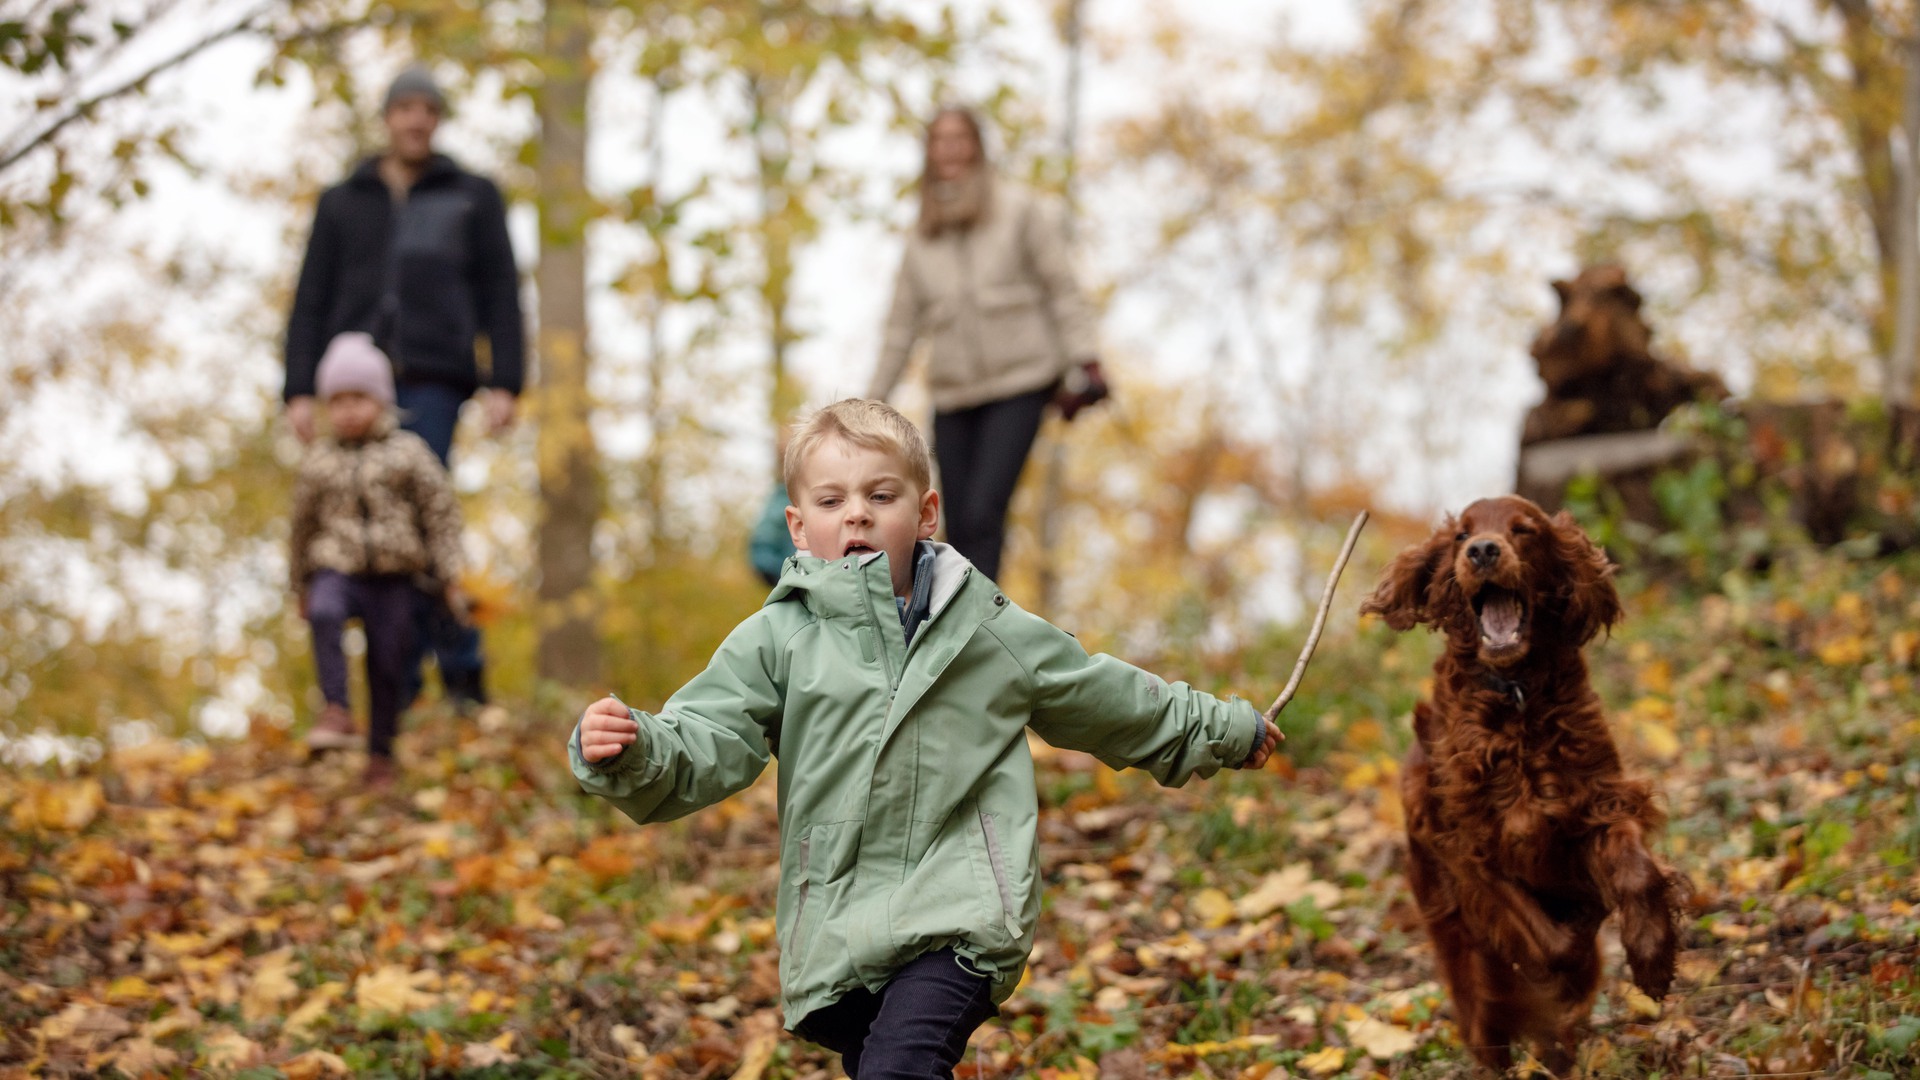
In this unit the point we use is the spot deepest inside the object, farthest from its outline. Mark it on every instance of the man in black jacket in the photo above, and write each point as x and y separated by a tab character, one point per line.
414	250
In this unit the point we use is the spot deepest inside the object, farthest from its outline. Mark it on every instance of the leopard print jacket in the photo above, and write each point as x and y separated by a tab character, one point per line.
383	505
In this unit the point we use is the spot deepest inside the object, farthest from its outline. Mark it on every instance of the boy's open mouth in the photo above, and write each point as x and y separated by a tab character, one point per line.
860	549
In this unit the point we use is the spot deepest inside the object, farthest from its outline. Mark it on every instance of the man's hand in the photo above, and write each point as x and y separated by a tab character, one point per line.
1270	738
300	417
500	409
606	729
459	605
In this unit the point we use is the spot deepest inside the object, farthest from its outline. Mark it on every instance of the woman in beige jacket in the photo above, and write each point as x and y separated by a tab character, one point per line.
985	281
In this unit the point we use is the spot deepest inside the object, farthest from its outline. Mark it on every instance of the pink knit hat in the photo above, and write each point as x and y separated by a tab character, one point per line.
354	362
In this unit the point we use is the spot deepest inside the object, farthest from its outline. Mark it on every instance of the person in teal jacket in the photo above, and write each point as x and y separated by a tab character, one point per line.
895	684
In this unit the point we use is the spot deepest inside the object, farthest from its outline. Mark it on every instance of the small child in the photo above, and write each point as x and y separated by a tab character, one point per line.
909	885
372	512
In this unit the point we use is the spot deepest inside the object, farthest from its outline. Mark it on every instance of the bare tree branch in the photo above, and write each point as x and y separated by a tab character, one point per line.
85	107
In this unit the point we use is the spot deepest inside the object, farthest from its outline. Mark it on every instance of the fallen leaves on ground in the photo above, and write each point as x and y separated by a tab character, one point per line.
184	909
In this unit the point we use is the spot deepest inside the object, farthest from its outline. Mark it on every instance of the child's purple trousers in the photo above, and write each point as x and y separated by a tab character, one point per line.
384	605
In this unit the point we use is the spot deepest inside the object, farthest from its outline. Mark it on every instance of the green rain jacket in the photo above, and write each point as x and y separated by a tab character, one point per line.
908	810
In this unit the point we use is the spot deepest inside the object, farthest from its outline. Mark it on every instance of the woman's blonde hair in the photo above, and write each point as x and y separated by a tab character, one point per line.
868	424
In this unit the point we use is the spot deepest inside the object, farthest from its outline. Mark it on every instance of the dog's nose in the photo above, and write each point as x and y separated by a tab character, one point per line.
1483	554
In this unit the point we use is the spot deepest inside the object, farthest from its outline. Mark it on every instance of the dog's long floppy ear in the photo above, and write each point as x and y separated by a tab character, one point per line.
1591	602
1401	597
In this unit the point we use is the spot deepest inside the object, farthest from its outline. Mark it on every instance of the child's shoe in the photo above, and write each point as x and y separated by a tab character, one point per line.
381	773
333	730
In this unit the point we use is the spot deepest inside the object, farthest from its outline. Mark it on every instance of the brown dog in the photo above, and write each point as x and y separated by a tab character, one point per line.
1523	831
1601	374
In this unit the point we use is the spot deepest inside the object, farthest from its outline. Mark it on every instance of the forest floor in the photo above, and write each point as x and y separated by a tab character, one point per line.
237	909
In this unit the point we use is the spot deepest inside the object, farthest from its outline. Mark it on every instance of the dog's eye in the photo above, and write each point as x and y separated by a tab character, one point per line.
1523	529
1460	538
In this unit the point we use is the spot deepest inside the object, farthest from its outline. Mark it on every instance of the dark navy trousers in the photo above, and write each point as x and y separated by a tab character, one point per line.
432	411
917	1025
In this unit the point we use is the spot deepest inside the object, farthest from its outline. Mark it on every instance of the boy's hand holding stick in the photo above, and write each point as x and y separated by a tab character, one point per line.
1272	737
606	729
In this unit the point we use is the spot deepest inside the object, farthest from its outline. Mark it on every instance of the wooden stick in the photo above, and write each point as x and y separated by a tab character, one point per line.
1319	618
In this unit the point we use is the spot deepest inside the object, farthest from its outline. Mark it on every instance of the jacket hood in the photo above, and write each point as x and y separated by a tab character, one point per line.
811	579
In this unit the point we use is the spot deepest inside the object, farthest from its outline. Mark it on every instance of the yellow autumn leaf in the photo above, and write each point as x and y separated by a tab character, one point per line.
394	989
1843	651
757	1056
230	1051
270	986
1659	740
1380	1040
627	1038
1639	1004
84	1025
1288	886
1850	607
137	1057
1324	1062
60	807
315	1007
130	990
495	1051
1903	646
1177	1052
173	1023
314	1064
1212	907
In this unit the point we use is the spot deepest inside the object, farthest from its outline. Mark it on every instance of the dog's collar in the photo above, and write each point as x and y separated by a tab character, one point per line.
1506	688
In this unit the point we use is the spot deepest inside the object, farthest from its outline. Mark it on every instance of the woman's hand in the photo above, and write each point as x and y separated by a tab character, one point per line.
1081	388
606	729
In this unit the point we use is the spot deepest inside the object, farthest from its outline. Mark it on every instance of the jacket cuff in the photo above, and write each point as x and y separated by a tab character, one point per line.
1243	732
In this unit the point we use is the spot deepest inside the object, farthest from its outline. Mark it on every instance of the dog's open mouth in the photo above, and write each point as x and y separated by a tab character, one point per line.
1503	618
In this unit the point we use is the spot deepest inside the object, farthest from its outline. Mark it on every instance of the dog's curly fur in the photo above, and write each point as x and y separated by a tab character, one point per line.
1523	831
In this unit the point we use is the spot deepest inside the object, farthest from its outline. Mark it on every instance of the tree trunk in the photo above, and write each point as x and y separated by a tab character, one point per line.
1054	443
1906	336
1870	131
569	649
773	155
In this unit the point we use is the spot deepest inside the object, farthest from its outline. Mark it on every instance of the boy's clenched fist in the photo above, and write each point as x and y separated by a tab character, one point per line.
606	729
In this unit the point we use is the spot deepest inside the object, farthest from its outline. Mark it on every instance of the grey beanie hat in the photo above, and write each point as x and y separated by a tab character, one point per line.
415	81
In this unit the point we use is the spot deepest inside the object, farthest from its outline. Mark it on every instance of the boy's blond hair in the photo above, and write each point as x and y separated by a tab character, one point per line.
868	424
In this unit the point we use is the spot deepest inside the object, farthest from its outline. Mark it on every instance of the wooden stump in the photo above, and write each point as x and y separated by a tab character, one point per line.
1840	471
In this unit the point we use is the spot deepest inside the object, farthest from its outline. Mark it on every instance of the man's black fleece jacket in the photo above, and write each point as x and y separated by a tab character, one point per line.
452	279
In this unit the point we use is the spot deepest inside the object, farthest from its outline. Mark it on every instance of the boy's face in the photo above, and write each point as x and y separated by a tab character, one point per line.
851	500
351	414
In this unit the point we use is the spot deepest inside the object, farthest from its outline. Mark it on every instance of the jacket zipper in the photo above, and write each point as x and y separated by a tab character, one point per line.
873	620
998	862
366	516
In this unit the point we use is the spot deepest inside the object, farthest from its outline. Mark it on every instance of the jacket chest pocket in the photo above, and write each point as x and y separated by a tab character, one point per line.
433	224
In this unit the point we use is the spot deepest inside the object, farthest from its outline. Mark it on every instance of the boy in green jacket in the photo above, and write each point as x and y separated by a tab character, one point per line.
896	684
